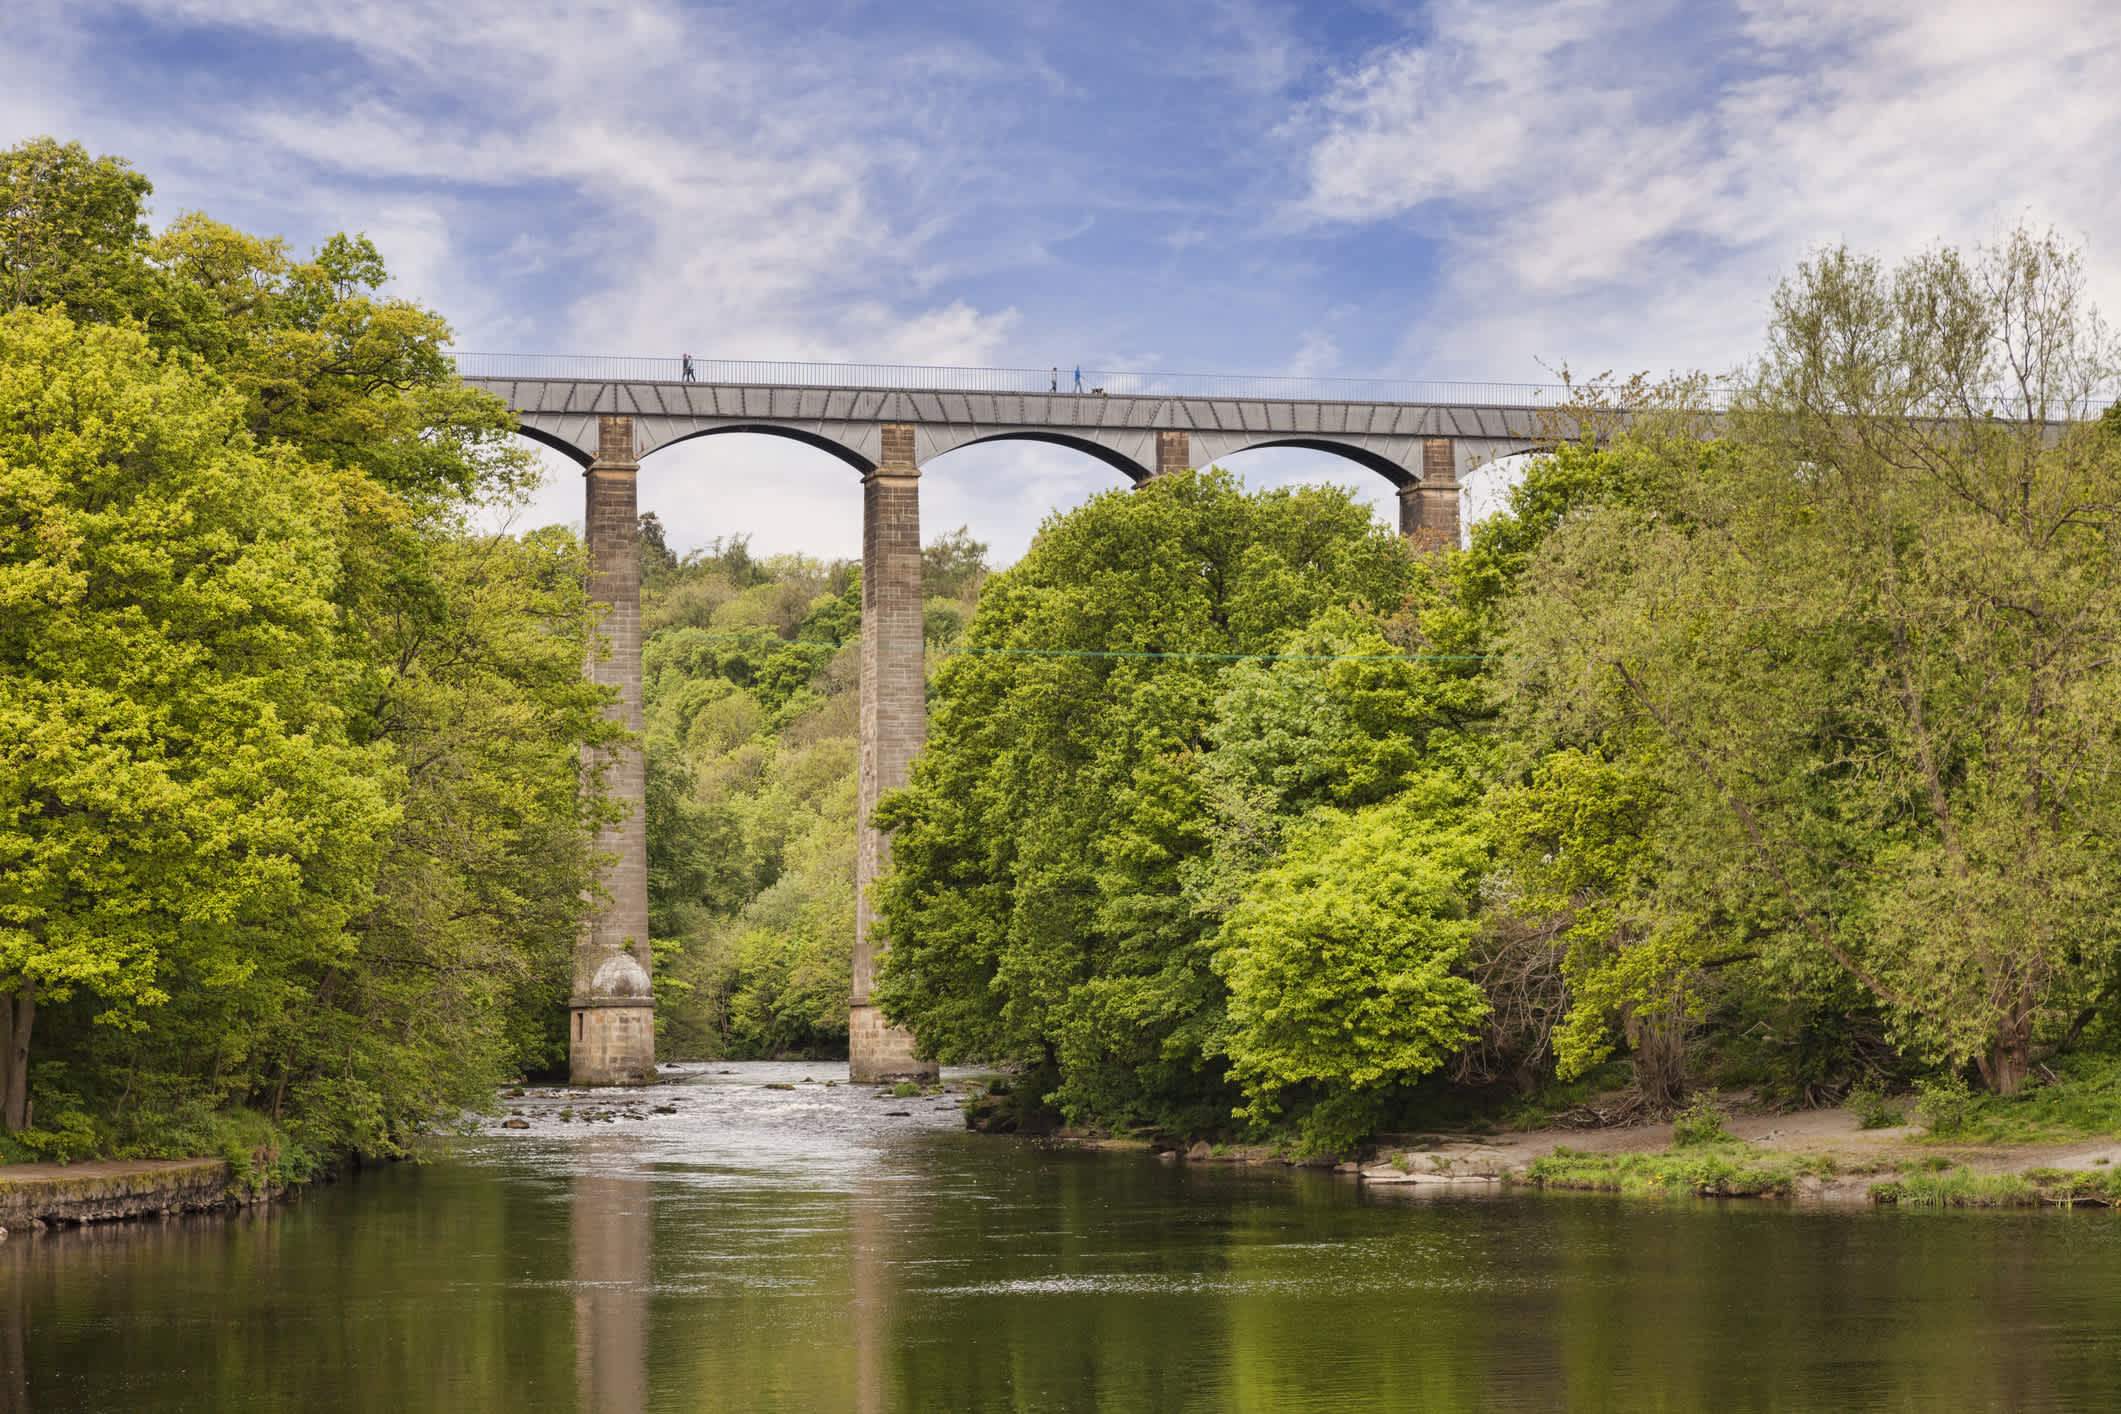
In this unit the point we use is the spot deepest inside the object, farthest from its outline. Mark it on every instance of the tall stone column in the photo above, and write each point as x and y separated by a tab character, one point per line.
1428	509
894	724
611	1030
1174	451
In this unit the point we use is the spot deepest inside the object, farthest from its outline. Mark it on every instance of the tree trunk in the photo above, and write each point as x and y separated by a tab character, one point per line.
18	1010
2010	1056
1659	1039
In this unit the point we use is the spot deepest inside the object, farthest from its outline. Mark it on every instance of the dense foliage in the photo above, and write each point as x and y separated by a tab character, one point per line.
1111	766
291	817
1769	739
1771	745
1850	671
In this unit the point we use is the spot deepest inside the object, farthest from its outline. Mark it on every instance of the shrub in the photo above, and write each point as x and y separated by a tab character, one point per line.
1872	1107
1699	1123
1943	1105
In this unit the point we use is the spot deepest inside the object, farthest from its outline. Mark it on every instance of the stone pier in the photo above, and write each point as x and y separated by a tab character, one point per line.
1428	508
611	1025
893	727
1174	451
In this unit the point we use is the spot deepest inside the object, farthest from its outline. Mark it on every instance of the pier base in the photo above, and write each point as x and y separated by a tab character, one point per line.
611	1043
879	1051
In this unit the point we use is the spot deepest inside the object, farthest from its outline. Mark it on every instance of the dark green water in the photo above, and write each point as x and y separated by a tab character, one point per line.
803	1250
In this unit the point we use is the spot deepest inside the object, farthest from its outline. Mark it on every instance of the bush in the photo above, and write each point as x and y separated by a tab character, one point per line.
1943	1105
1699	1123
1872	1107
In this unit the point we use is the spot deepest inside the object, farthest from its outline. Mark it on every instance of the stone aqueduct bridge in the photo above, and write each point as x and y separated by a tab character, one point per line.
607	424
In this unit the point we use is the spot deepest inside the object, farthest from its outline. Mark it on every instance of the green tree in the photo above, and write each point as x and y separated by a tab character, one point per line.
180	804
455	973
1340	960
450	673
1037	902
1875	647
72	232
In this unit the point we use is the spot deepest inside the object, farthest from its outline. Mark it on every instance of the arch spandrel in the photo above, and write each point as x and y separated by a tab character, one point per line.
843	441
1397	461
569	446
1107	449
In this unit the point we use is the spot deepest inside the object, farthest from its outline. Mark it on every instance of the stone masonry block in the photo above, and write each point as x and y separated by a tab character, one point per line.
1174	451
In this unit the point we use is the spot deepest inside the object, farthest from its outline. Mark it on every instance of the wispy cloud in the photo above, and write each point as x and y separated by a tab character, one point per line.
1624	183
1455	189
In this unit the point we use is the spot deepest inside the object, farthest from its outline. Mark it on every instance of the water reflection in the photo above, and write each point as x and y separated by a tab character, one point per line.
812	1249
14	1341
611	1229
869	1280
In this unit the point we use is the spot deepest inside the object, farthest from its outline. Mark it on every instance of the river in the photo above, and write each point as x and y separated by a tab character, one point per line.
824	1248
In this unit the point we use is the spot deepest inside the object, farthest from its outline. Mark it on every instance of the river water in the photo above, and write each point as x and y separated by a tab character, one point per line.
827	1248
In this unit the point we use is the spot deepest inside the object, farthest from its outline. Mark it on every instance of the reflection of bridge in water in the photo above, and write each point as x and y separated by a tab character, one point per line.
885	422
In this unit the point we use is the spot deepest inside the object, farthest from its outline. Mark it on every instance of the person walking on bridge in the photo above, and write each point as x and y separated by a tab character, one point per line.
1054	386
1078	378
687	374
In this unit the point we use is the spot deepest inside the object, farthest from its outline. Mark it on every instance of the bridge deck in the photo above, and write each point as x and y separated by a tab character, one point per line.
1118	428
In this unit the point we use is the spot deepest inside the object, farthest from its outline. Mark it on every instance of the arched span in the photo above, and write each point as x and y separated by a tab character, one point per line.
1384	466
823	443
561	445
1119	461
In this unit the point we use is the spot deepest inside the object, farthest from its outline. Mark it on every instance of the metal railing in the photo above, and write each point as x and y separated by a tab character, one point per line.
1093	381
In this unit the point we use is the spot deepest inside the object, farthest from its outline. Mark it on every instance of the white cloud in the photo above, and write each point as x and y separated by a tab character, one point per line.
1603	196
722	175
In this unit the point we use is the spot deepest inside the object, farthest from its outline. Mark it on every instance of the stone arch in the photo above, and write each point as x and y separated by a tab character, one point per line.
804	435
557	443
1119	461
1384	466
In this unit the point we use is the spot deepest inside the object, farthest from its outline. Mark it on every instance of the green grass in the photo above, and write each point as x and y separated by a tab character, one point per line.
1719	1171
2076	1185
1699	1124
1961	1187
1958	1188
2084	1101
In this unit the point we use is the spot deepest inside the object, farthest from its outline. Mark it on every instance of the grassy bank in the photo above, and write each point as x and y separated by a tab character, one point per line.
1961	1187
1738	1170
1718	1171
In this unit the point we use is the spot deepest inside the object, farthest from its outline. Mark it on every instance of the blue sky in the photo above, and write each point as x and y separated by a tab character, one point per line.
1441	190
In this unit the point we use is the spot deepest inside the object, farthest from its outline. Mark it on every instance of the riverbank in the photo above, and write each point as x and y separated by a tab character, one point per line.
34	1196
1822	1155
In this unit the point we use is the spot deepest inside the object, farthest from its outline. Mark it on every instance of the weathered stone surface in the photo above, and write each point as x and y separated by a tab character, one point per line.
894	726
1454	1163
1174	452
612	1043
615	1045
100	1192
1428	509
877	1050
